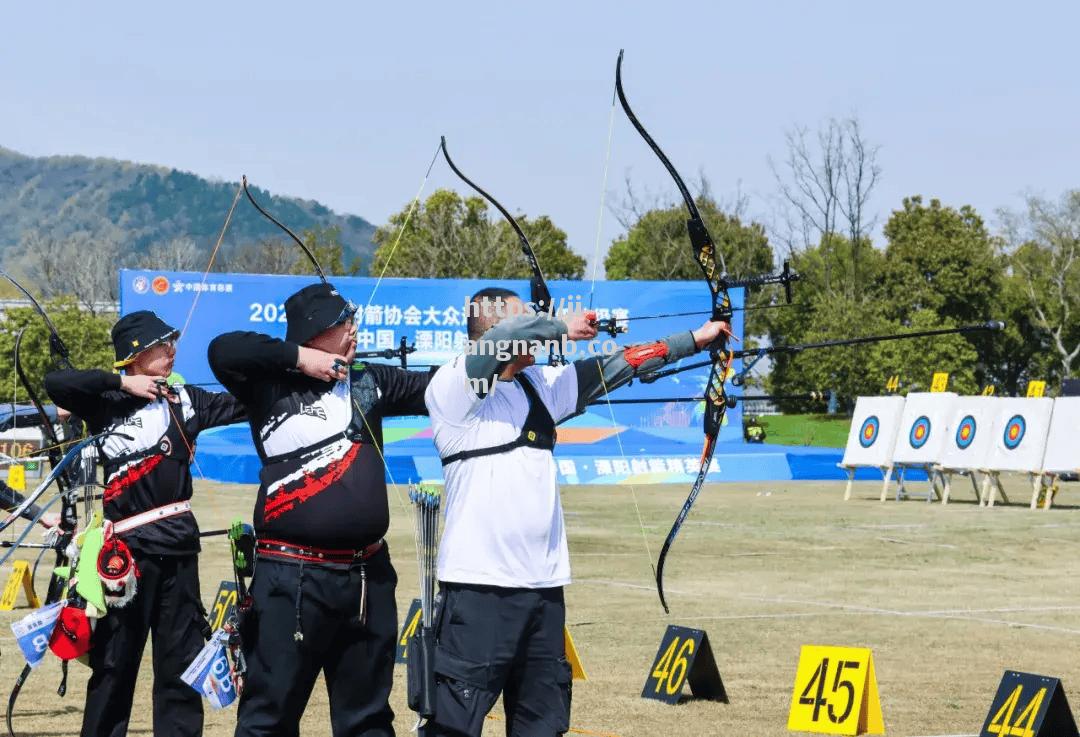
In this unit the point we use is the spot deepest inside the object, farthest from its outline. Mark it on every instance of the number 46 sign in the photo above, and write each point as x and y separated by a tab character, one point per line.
684	658
835	692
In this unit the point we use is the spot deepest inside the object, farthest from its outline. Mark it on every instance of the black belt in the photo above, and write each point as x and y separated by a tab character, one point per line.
279	549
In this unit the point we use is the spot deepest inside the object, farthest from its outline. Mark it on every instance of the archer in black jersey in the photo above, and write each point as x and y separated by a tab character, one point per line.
147	495
323	590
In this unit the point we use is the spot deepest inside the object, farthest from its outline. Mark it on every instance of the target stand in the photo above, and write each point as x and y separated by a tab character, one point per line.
933	478
991	487
946	475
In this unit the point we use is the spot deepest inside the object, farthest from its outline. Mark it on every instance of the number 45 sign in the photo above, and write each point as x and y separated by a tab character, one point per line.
835	692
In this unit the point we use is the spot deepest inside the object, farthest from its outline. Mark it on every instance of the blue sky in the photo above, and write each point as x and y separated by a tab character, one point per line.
973	103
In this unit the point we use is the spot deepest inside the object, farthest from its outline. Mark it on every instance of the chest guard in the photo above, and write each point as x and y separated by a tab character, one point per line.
538	432
363	396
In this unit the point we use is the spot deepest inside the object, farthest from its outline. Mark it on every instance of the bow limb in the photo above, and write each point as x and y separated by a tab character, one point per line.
56	344
69	518
303	247
712	267
540	295
69	514
716	403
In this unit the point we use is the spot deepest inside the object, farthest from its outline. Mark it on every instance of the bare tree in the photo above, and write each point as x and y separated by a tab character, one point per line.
861	173
824	187
176	254
813	176
634	204
82	265
43	256
1044	247
268	256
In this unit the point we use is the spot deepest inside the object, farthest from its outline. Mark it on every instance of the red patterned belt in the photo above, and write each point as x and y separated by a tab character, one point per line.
280	549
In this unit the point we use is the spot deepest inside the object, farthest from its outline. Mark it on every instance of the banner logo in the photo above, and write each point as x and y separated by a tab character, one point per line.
160	285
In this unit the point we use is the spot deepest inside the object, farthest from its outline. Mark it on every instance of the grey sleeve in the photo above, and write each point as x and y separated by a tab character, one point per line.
598	375
484	361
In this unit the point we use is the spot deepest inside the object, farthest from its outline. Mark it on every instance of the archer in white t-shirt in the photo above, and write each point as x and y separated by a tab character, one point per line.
503	558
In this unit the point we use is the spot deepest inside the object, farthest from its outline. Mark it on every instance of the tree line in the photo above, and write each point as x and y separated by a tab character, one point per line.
934	265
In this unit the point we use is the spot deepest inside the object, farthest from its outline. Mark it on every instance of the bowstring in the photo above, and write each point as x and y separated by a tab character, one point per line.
405	224
600	367
413	206
375	442
603	199
14	408
187	322
629	480
210	264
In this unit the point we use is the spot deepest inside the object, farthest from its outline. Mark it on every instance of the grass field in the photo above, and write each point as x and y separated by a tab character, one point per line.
947	598
829	431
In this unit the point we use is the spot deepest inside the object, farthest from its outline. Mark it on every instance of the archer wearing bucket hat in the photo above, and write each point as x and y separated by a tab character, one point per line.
322	596
137	332
147	508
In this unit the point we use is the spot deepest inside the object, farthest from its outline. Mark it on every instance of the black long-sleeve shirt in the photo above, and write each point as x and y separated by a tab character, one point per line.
154	468
322	483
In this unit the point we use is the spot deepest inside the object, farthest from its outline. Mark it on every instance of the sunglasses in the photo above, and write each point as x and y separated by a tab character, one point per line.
348	315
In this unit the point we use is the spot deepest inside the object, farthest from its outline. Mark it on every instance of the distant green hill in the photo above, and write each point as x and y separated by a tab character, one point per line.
143	204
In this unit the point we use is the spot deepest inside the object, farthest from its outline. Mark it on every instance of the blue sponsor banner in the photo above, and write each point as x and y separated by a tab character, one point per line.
430	314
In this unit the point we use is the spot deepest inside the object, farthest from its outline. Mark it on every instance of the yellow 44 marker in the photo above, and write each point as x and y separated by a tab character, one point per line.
835	692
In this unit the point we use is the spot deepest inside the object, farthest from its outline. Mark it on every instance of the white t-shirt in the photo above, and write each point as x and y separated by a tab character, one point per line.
504	521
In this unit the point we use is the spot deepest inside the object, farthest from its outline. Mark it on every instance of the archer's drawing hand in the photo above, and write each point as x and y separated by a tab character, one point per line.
322	365
579	325
147	387
708	333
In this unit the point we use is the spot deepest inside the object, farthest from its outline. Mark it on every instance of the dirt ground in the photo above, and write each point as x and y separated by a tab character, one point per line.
946	597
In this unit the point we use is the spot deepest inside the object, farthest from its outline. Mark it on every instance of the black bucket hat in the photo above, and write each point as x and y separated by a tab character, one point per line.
313	309
135	332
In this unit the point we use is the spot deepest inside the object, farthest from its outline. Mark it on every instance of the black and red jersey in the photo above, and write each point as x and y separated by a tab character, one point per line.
322	482
152	469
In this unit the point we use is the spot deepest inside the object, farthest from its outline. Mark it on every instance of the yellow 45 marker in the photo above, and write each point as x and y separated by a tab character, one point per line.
835	692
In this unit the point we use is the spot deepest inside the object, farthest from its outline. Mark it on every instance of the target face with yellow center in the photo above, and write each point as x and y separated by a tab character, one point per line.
869	431
1014	432
920	432
965	433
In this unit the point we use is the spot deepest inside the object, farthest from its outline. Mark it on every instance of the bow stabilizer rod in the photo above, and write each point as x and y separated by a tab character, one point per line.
989	326
732	400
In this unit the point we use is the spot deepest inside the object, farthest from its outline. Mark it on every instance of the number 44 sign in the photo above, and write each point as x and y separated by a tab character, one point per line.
835	692
1027	705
